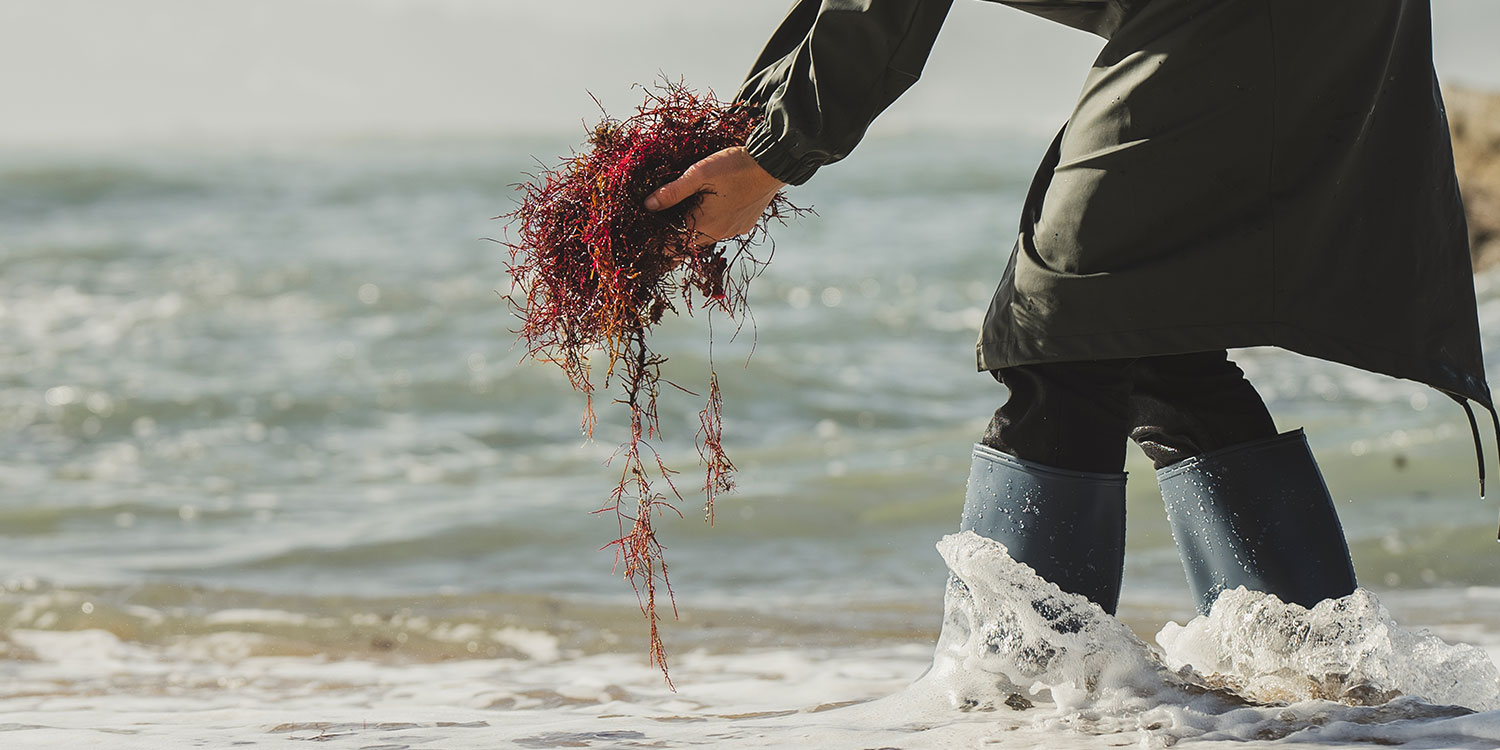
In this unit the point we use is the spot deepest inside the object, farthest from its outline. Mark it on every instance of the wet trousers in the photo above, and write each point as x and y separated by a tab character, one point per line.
1077	415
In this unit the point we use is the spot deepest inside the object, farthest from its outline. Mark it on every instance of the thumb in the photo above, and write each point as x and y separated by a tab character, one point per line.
674	192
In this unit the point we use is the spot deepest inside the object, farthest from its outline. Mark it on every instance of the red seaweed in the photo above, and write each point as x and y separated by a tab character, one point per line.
595	271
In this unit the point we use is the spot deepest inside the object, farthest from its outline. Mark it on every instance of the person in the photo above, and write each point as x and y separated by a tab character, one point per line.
1235	173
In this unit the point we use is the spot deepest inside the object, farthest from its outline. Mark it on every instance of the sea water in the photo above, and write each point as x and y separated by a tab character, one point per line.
271	468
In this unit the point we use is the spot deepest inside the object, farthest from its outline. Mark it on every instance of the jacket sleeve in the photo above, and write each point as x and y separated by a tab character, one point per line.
831	67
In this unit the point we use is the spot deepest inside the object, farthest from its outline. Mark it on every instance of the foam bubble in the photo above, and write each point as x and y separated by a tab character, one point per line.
533	644
1007	632
1254	670
1348	650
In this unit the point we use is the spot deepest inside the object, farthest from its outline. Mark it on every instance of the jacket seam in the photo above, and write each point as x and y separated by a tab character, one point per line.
1017	340
900	43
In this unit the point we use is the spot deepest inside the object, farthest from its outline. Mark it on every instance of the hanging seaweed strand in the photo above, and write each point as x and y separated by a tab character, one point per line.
594	271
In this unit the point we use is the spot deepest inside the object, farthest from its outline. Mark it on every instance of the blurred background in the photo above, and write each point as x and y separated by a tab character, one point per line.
256	372
221	71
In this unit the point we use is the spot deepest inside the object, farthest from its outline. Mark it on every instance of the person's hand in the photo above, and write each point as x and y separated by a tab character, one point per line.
735	191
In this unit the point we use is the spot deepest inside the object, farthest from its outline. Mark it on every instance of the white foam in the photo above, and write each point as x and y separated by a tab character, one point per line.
1091	682
255	617
533	644
1007	630
1348	650
1255	669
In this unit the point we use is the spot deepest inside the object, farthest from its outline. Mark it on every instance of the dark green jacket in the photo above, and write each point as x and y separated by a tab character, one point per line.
1236	173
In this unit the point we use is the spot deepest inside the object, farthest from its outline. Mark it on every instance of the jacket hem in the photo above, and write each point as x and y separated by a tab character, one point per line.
994	354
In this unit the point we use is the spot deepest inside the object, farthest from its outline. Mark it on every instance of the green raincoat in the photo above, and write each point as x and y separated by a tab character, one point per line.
1235	173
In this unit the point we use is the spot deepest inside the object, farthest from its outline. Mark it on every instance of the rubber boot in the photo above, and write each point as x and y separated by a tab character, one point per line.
1257	515
1068	526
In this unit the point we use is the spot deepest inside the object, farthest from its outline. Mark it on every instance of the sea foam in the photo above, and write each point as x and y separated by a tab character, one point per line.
1011	637
1254	669
1347	650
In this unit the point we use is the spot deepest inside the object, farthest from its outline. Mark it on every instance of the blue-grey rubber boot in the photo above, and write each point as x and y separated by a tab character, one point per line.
1257	515
1068	526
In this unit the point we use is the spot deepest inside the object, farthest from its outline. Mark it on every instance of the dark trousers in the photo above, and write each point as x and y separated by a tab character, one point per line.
1077	415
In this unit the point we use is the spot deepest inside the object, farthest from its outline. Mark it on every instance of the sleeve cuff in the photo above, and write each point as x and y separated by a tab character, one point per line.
779	157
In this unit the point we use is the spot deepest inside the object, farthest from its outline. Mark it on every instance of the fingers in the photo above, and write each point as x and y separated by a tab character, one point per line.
692	243
674	192
698	239
677	191
701	240
713	221
735	190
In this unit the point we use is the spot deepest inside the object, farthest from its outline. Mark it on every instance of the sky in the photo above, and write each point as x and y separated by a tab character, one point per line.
210	70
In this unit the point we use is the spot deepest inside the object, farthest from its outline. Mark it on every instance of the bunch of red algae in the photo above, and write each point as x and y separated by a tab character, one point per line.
598	271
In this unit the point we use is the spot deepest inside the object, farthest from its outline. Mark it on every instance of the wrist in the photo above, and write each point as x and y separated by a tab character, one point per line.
757	174
779	157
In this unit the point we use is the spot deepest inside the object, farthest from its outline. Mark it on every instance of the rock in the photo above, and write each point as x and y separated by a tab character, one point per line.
1474	117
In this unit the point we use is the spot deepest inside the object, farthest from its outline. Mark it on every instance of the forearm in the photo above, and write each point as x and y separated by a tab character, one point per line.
828	71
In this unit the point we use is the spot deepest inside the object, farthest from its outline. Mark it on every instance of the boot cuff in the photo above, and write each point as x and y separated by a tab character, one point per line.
1254	446
1031	467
